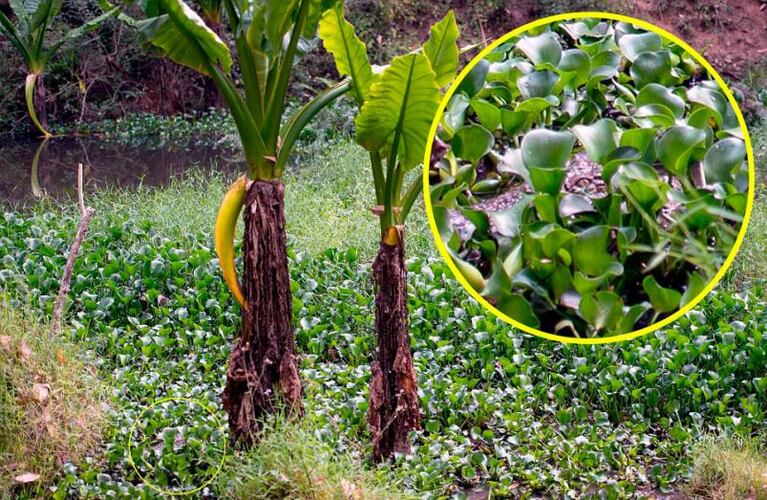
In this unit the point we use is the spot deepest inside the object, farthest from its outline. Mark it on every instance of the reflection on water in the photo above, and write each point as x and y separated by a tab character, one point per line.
30	170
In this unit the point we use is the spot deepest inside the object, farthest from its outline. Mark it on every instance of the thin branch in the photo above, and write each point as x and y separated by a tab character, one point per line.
86	214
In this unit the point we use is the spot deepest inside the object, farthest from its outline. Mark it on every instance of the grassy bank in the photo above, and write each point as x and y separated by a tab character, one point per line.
502	410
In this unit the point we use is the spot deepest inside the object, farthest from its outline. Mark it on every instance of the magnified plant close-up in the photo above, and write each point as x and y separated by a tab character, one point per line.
589	178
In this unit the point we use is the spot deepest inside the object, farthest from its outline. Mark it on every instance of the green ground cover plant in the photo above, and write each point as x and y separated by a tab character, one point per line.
501	409
594	178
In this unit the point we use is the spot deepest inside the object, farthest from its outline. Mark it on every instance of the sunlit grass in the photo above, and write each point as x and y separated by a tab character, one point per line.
291	461
729	468
51	403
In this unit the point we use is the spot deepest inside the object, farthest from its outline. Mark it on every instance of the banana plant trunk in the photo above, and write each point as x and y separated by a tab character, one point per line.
393	409
263	369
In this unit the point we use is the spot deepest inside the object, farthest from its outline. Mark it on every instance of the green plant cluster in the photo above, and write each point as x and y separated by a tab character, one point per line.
631	237
518	414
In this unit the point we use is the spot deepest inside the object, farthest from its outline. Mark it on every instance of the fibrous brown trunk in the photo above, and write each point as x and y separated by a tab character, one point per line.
393	410
263	368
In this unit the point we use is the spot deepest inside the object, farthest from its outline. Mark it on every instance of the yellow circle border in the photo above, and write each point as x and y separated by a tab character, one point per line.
668	36
162	491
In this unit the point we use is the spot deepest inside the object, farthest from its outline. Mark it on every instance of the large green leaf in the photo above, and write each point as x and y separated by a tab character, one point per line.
663	300
603	310
537	83
598	139
441	49
677	145
722	158
654	93
182	36
634	44
543	48
403	101
472	142
544	148
652	67
349	52
279	18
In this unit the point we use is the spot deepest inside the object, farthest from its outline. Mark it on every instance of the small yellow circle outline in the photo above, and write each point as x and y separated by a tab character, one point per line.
162	491
663	33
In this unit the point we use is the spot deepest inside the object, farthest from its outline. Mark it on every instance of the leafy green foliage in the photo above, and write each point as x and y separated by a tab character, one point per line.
518	414
627	174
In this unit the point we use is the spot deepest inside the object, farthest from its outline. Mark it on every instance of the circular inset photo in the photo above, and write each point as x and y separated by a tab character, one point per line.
590	179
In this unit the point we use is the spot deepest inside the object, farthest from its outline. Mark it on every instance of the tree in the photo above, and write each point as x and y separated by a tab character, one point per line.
28	36
268	37
395	112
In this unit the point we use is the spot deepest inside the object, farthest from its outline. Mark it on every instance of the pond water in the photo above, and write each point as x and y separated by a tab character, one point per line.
31	170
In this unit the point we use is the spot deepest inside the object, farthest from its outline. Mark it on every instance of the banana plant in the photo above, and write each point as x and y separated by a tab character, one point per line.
395	111
269	36
33	22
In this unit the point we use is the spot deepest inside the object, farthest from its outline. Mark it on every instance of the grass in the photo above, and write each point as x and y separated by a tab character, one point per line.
729	468
51	403
291	461
327	204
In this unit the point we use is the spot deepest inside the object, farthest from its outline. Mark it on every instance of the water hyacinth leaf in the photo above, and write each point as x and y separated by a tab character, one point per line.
631	315
547	180
536	105
442	50
634	44
544	148
537	83
578	62
402	103
599	139
508	222
654	93
585	284
472	142
511	163
722	158
575	204
475	80
546	206
601	310
489	114
641	139
652	67
486	186
552	239
619	156
518	308
455	113
513	121
710	98
676	146
590	253
543	48
663	300
468	271
695	285
654	115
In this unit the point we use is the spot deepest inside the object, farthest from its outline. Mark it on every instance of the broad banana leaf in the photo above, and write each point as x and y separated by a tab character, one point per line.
183	37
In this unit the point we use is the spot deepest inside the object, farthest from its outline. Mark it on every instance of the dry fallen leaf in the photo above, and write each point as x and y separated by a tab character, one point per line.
60	357
40	392
24	350
27	477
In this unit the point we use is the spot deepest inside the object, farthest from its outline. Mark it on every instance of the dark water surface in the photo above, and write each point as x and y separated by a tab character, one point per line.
31	170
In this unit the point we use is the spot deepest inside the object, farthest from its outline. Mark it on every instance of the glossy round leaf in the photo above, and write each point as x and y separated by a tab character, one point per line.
472	142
